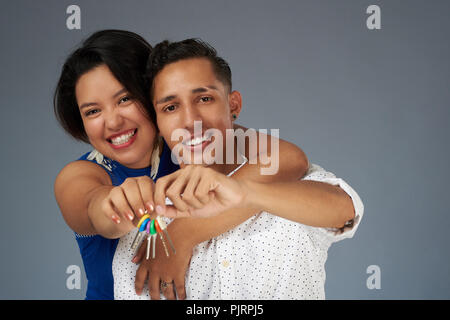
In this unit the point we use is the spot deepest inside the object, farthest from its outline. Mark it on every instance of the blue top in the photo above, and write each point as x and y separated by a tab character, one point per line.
96	251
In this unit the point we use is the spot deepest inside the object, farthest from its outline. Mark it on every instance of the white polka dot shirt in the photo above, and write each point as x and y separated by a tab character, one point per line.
266	257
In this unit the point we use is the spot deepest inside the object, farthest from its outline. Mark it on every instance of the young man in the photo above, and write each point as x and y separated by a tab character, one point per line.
280	252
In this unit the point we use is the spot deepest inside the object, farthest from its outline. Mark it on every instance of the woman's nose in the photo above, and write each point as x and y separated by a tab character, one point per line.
113	119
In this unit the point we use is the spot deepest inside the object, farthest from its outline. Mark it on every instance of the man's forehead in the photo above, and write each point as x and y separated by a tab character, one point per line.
193	74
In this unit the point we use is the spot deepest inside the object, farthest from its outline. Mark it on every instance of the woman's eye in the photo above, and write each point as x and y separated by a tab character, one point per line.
91	112
124	100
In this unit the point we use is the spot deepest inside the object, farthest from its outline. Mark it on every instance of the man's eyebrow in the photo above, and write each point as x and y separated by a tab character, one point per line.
204	89
196	90
88	104
166	99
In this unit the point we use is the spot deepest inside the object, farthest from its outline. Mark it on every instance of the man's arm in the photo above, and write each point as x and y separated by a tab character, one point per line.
293	165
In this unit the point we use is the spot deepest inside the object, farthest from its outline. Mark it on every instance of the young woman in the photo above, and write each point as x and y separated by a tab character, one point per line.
102	99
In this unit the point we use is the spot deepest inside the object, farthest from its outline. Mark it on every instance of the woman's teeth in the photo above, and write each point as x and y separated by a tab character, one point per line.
196	141
123	138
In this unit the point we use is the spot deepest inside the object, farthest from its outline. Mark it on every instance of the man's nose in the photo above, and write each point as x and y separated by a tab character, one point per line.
191	114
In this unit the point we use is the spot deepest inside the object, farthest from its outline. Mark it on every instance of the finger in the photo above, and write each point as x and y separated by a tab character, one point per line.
169	291
153	287
175	190
180	287
204	188
141	276
120	203
146	186
109	210
133	195
172	212
160	189
188	193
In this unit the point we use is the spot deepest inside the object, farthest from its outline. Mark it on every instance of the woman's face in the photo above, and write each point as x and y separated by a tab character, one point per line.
115	123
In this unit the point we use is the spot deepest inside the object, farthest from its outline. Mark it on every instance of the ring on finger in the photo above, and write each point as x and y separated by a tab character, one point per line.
165	284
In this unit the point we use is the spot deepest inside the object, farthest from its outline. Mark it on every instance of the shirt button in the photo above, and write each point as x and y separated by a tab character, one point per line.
225	263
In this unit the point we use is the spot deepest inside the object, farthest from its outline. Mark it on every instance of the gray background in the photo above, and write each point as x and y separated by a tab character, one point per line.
372	106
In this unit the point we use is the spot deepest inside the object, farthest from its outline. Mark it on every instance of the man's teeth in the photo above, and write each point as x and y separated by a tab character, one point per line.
122	139
196	141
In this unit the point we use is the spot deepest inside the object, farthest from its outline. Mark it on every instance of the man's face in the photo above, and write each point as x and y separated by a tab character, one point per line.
188	91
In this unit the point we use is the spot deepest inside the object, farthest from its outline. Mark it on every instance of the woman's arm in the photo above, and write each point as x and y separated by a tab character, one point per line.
90	204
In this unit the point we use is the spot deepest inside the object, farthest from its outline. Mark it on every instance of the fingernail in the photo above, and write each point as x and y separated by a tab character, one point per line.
134	259
150	206
141	211
130	216
159	210
115	219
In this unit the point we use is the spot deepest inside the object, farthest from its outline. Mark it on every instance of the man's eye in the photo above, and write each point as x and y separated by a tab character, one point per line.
205	99
170	108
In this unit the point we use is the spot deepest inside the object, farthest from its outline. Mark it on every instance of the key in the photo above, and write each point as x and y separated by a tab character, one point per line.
134	243
135	238
149	238
139	240
153	233
141	236
163	227
158	229
147	256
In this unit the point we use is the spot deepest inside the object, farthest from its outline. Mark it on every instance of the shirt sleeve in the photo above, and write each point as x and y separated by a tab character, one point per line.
316	173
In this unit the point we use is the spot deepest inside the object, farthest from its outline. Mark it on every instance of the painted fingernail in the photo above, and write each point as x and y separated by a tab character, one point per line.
115	219
141	211
130	216
150	206
134	259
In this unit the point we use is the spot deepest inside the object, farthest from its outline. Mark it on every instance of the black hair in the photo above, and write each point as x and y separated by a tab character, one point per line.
124	53
167	52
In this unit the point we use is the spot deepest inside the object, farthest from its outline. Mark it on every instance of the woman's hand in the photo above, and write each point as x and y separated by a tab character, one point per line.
130	200
197	191
170	269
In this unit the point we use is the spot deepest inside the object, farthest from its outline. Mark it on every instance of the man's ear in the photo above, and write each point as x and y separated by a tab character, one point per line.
235	101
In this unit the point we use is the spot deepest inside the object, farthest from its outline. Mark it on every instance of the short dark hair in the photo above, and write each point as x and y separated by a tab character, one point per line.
167	52
124	53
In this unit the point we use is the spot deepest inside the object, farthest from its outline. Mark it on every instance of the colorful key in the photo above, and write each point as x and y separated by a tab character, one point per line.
153	233
163	227
141	235
160	232
147	256
138	237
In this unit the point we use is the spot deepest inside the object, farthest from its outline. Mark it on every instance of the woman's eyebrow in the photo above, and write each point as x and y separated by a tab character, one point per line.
88	104
118	93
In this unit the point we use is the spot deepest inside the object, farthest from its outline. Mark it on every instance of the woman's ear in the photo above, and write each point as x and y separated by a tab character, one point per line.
235	101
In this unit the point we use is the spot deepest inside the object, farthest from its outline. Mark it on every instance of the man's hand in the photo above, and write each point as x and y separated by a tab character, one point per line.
171	269
197	191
